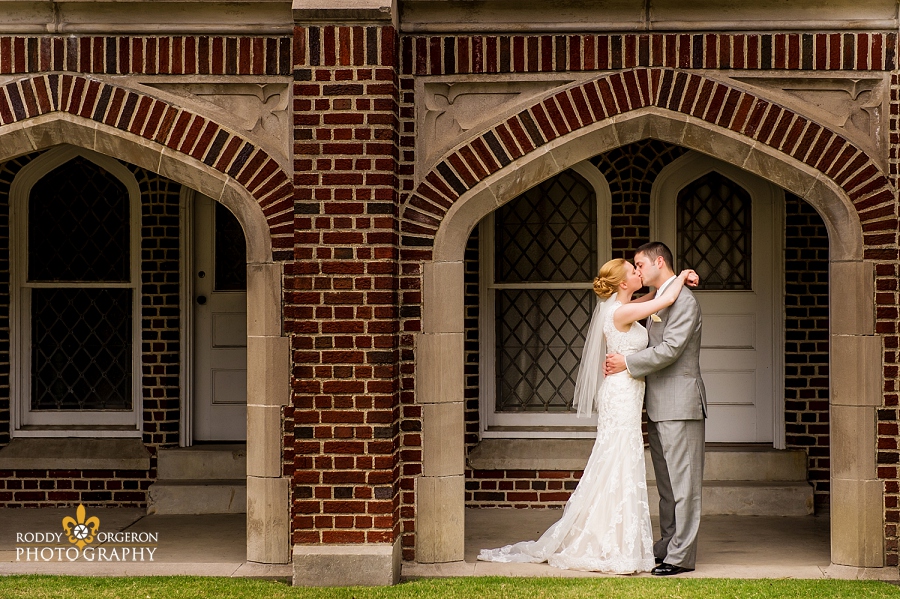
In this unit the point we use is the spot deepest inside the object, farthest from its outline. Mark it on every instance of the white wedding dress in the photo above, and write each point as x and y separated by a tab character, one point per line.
605	526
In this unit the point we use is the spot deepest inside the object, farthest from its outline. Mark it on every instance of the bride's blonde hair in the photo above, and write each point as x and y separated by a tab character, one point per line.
611	274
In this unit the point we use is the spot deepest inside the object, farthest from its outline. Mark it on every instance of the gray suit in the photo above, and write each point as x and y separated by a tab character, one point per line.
676	408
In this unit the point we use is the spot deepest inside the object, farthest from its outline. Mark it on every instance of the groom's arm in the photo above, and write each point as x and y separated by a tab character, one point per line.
681	321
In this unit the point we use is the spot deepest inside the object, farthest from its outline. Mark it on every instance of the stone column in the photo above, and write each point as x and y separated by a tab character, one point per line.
440	498
857	355
268	391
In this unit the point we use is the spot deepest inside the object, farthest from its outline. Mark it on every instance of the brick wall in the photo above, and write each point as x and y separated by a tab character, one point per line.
160	354
146	55
160	309
446	55
533	489
806	384
341	307
887	271
471	369
630	172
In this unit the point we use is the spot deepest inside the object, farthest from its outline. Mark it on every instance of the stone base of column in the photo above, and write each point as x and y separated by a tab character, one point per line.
346	565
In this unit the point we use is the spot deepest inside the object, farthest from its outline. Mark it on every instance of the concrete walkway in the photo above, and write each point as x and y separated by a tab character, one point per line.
729	547
214	545
198	545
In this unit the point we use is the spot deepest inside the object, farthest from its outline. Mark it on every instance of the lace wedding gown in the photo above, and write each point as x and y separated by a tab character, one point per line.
605	526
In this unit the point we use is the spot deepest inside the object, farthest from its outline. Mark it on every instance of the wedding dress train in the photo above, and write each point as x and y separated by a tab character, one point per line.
605	526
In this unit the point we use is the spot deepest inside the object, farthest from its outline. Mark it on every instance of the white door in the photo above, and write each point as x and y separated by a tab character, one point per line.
729	224
220	324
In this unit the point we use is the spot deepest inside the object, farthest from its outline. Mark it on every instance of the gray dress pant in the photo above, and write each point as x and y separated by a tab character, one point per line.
677	451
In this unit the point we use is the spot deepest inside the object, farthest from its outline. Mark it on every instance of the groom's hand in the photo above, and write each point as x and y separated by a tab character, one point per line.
614	363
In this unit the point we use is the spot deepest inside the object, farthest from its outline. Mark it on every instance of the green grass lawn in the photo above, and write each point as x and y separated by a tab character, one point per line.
68	587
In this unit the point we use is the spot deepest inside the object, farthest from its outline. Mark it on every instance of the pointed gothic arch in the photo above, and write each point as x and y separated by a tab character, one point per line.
840	181
41	112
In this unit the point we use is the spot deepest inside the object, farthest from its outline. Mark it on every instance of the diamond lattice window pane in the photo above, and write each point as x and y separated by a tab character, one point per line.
549	233
231	252
540	336
78	225
81	349
714	232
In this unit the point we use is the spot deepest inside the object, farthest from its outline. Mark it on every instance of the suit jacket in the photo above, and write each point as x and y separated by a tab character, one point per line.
671	364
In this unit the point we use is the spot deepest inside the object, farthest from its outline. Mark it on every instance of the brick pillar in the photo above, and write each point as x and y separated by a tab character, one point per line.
341	298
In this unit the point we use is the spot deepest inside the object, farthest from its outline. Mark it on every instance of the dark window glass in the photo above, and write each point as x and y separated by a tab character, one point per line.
231	252
714	232
81	349
546	235
540	337
549	233
78	226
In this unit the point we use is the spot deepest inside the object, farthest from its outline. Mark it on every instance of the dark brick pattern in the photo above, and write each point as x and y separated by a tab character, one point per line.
66	488
887	272
520	488
806	383
448	55
343	434
630	172
160	309
147	55
471	303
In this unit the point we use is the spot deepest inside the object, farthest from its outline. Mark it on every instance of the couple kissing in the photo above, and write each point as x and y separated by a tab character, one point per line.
605	525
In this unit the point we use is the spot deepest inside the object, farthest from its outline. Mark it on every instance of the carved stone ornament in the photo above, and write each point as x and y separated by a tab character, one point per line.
853	106
448	111
259	110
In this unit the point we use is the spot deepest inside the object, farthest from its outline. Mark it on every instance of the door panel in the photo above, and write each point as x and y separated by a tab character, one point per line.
220	325
738	349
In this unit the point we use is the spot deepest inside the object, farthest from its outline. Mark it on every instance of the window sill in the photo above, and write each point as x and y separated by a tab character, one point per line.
35	453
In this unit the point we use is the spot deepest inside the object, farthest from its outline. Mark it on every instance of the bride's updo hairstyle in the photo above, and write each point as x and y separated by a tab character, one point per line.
611	274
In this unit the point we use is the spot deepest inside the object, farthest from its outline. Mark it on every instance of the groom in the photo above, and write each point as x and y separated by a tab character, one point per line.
676	408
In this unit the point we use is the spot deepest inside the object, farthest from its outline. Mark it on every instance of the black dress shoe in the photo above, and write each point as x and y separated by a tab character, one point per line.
665	569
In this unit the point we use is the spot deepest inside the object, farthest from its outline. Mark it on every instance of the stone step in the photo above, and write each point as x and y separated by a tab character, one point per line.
749	498
198	497
225	461
748	463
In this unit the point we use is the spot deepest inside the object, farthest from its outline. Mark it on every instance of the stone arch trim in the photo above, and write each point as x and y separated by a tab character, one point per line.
614	96
141	116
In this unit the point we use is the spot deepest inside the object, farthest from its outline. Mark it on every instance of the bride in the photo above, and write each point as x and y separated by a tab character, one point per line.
605	526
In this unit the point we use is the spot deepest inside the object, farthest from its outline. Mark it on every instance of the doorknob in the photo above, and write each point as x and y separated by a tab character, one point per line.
201	299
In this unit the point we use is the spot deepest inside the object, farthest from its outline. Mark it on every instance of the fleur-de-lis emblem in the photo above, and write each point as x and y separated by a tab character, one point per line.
81	532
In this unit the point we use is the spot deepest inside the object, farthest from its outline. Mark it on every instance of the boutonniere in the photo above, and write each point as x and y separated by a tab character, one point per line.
655	318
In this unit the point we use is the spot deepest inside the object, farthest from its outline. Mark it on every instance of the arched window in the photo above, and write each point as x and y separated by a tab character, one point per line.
75	277
714	232
540	254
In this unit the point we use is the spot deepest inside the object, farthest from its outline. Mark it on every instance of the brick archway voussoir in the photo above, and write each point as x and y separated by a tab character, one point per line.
170	129
682	92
